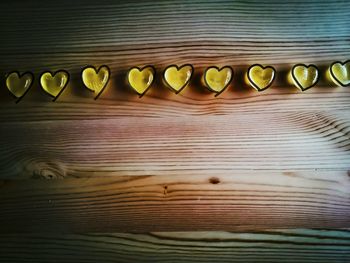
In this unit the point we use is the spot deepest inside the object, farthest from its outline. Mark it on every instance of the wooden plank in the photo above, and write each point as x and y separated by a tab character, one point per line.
132	145
297	245
123	34
242	129
229	201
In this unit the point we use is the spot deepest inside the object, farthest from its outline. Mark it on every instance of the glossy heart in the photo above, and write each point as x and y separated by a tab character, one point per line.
304	76
217	79
18	84
141	79
176	77
340	73
95	80
54	83
261	77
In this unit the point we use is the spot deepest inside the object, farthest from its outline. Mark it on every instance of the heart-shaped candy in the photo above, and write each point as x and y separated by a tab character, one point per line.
141	79
54	83
19	84
217	80
259	77
177	78
304	76
95	80
340	73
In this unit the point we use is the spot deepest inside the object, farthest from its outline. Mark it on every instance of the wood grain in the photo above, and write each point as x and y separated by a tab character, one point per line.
123	34
253	163
299	245
232	201
130	145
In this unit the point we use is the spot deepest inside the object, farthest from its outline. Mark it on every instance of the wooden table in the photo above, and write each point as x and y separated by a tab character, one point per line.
242	177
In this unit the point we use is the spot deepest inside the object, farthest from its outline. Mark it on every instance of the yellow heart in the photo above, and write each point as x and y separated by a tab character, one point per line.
217	79
18	84
305	77
261	77
141	79
54	83
340	73
176	77
95	80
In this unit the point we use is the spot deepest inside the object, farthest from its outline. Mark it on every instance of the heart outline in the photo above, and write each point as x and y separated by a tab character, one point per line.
218	69
333	75
18	99
178	68
96	71
256	87
296	80
53	75
140	70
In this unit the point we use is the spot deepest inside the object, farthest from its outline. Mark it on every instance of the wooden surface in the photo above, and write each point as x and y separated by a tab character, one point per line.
267	167
299	245
217	200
